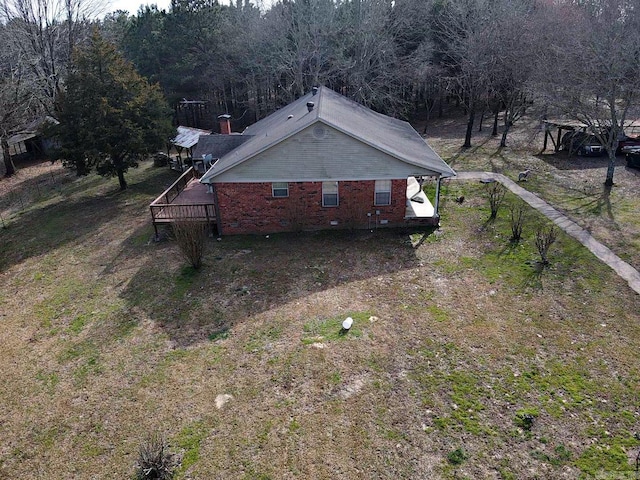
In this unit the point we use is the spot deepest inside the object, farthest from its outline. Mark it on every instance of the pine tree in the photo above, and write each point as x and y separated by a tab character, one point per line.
110	116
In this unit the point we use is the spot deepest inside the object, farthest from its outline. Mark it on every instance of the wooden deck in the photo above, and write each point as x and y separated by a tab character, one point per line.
186	200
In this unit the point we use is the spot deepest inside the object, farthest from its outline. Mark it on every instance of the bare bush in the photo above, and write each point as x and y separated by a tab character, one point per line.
155	461
545	237
518	214
191	238
356	214
495	195
296	215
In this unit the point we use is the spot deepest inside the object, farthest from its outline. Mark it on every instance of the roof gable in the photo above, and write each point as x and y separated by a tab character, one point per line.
320	153
392	136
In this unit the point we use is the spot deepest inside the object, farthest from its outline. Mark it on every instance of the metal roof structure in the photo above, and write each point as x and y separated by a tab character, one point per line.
568	123
187	136
21	137
31	130
393	137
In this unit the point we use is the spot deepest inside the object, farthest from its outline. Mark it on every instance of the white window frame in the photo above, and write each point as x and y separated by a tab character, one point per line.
330	190
280	186
382	187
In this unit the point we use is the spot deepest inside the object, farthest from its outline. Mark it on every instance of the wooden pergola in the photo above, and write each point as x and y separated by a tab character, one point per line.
561	126
568	125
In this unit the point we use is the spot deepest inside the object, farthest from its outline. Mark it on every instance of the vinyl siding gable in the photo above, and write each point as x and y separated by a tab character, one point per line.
320	153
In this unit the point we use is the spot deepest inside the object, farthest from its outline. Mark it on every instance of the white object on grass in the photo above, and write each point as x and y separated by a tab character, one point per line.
347	323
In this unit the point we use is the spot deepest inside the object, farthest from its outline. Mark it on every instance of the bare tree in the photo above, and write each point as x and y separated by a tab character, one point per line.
514	59
593	73
464	32
17	104
368	67
45	33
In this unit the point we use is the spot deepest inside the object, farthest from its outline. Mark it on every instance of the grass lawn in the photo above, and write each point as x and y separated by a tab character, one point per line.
574	185
465	360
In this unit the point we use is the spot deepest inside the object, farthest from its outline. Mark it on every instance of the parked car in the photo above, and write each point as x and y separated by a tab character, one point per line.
582	143
627	144
633	159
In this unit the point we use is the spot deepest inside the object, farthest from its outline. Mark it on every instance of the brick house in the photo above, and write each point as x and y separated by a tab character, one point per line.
321	162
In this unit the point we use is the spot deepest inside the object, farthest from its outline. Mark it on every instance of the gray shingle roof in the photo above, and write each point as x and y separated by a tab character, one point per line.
218	145
392	136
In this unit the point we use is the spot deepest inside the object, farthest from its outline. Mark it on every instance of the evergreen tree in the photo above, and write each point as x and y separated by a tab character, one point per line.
110	116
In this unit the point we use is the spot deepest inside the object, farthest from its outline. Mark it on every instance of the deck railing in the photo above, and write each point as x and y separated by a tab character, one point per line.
164	211
170	194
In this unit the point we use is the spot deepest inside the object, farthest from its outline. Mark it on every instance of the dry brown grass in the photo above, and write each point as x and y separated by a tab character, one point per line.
107	337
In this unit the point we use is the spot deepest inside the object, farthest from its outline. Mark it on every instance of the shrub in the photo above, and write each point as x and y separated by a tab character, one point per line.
518	215
191	238
545	237
457	456
154	459
525	418
495	194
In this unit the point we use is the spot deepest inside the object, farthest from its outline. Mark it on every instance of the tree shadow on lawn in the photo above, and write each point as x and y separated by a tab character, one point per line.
463	152
38	231
586	201
562	161
22	187
245	276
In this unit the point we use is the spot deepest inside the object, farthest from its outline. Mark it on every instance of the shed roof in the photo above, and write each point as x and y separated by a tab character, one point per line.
187	136
389	135
21	137
39	122
32	129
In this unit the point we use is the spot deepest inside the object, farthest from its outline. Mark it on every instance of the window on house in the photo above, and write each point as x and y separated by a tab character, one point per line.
383	192
280	189
329	194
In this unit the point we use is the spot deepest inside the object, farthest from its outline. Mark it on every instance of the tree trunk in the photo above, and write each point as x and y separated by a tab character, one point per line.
494	132
467	137
119	166
8	162
610	169
507	125
81	168
123	182
503	140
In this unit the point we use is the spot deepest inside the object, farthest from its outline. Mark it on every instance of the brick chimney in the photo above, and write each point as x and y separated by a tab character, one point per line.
225	124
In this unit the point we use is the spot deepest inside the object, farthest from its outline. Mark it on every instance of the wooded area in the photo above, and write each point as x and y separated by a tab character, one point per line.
409	58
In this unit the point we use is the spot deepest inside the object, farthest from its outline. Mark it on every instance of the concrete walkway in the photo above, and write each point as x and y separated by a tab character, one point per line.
622	268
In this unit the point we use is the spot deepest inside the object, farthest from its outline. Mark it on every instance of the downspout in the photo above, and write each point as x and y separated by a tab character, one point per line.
217	209
437	204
